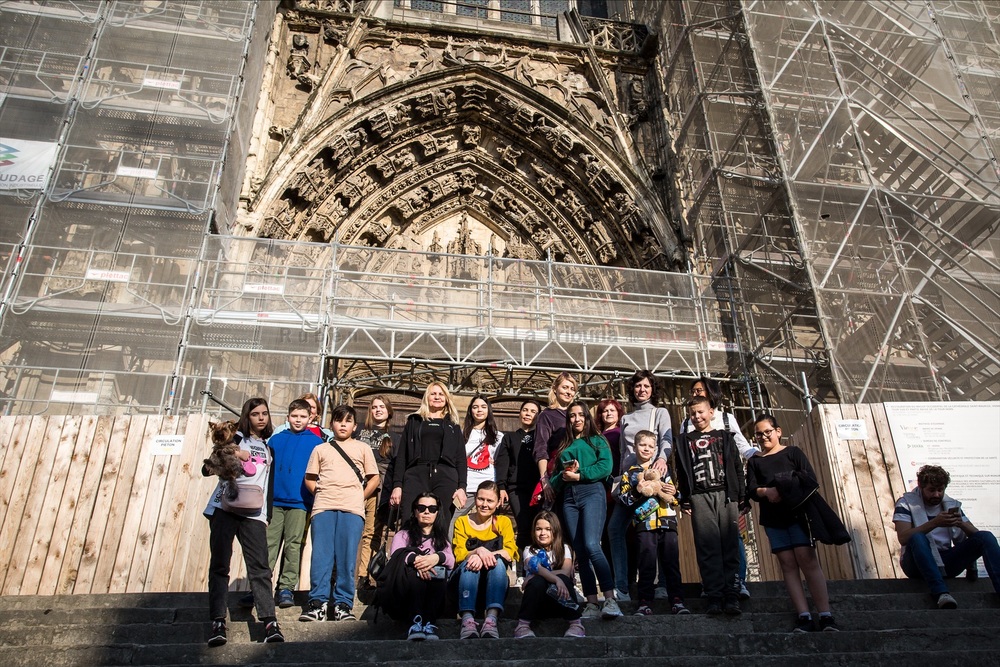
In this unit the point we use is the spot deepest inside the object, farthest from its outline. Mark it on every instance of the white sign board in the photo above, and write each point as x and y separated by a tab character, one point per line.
167	445
961	437
24	165
107	274
852	429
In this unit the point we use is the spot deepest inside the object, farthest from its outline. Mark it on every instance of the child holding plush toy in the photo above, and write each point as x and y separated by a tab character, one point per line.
548	579
239	509
652	502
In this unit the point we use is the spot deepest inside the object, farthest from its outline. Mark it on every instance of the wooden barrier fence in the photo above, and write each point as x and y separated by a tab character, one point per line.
85	507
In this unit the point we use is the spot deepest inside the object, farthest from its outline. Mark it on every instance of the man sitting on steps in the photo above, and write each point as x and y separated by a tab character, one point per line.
938	540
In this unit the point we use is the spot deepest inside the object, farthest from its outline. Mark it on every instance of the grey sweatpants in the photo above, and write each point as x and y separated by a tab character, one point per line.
716	542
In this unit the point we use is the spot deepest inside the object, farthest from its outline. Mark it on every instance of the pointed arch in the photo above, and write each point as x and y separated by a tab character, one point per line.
468	139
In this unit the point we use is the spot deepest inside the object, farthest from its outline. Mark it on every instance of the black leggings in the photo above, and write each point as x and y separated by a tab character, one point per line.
537	604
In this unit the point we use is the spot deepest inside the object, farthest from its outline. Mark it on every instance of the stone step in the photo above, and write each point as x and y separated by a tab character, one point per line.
766	596
71	629
855	648
765	589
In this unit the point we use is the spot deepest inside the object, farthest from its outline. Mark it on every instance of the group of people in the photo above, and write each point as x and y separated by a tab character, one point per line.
538	506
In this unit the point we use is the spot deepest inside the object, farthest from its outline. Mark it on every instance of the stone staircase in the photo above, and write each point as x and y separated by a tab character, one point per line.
885	623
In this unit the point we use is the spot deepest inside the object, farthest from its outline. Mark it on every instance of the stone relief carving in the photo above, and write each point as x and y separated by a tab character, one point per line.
547	180
471	135
509	154
552	203
436	103
562	141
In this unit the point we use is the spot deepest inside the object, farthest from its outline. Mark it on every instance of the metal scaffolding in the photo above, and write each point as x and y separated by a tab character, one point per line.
836	164
834	167
140	105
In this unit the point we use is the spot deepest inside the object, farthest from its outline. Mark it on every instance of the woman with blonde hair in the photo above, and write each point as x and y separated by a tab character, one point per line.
431	453
550	428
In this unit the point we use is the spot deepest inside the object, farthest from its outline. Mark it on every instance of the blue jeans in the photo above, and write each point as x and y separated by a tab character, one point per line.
335	539
584	508
918	562
618	524
496	587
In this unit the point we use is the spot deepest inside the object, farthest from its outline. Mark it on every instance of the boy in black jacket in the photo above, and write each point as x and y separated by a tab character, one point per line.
711	484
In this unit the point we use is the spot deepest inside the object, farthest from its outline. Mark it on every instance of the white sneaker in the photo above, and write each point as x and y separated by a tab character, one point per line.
610	609
591	611
744	591
661	594
622	596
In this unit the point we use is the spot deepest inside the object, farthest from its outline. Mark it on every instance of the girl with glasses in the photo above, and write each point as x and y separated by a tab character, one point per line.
784	522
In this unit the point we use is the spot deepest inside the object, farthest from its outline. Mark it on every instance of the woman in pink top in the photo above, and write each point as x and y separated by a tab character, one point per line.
421	591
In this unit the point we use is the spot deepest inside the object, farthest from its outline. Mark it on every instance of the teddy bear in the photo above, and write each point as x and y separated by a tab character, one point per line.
224	460
649	485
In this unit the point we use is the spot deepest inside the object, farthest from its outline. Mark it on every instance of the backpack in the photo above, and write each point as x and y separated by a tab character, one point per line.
389	580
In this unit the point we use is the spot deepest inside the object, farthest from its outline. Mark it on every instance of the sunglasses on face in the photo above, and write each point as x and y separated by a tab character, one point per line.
427	508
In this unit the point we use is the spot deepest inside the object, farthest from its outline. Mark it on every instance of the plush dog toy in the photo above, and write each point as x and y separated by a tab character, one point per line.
223	461
649	486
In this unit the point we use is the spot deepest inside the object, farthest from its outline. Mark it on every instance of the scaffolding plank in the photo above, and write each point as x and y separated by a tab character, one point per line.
100	516
134	504
91	483
155	485
28	500
118	505
181	523
65	510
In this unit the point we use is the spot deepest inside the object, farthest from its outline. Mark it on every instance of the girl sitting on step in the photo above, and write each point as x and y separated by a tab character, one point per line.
548	579
485	550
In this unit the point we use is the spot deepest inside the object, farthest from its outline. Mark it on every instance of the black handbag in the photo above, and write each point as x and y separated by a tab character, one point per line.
381	557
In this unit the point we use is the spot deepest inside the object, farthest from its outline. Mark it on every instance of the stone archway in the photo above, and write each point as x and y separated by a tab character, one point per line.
485	151
467	157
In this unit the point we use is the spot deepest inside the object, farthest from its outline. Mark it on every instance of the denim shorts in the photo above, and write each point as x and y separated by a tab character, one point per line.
783	539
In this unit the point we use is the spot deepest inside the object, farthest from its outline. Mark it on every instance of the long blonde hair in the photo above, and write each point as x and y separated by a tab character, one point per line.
449	405
565	375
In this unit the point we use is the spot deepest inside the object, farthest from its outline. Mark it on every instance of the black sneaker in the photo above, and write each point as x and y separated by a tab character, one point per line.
218	635
732	606
246	601
316	612
803	624
341	612
272	633
827	624
714	607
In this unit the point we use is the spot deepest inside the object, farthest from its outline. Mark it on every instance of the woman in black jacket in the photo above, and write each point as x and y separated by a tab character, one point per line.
431	453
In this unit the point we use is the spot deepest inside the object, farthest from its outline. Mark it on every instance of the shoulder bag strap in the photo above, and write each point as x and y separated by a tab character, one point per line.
349	461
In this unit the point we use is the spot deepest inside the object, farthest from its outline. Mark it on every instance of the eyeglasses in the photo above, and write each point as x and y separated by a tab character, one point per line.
764	435
433	509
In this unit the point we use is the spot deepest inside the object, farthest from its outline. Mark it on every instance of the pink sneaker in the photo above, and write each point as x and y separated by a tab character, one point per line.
489	628
469	630
523	631
575	629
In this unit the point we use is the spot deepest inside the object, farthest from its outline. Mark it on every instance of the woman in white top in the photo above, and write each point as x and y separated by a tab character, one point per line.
643	390
482	447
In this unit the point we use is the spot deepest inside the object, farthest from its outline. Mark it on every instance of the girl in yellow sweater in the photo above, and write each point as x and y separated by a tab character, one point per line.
484	551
